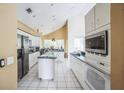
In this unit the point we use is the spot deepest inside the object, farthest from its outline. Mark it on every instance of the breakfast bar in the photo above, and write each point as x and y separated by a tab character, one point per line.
46	65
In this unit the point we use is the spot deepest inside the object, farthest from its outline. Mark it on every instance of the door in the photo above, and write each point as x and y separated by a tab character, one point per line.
20	74
25	55
19	62
95	79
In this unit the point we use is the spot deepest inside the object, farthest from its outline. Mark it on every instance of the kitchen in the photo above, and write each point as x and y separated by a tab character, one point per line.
65	50
82	57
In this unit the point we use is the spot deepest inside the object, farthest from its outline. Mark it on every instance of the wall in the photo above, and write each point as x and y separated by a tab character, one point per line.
117	57
26	28
76	29
8	37
59	34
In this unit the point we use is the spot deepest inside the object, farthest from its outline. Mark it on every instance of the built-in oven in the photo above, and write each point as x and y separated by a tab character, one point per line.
97	43
95	79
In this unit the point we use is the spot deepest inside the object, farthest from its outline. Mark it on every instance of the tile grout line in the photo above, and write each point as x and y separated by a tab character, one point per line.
60	68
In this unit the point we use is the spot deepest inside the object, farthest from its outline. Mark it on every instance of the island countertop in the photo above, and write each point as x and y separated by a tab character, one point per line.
46	66
48	55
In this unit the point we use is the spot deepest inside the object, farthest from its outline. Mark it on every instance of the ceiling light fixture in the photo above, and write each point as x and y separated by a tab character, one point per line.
53	39
72	7
34	16
29	10
54	19
41	25
53	16
51	4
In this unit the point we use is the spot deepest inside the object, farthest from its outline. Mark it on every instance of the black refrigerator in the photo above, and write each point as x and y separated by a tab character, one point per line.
23	56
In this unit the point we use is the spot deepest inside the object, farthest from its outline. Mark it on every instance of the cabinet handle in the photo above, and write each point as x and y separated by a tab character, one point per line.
102	64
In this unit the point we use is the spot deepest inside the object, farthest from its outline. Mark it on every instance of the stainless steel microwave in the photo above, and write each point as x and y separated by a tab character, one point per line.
97	43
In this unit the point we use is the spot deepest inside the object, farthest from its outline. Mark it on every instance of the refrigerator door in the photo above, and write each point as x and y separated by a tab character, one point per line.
20	74
25	43
25	63
20	62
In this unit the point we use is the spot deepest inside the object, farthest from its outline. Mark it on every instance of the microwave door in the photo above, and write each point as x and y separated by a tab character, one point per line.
97	43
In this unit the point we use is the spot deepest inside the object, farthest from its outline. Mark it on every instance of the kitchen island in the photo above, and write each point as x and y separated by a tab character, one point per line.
46	65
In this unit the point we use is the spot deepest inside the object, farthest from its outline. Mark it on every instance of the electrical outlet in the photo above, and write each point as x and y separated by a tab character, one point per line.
2	63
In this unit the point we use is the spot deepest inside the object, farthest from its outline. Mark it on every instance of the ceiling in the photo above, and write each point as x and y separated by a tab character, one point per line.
48	17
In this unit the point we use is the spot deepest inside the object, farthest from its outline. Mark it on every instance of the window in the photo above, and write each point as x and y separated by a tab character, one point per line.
57	44
79	44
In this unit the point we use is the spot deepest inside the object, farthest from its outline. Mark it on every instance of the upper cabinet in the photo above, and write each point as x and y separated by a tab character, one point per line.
98	16
35	40
102	14
89	21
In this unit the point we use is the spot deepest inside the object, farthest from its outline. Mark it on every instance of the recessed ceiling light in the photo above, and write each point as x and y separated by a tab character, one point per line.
72	7
34	16
54	19
51	4
41	25
53	16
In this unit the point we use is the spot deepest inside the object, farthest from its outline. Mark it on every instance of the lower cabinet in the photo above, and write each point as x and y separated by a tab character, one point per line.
78	68
59	55
33	59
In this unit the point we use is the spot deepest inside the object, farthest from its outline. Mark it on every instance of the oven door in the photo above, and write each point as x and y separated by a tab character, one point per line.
96	80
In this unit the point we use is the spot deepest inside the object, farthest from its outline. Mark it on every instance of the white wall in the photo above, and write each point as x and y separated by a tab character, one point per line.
76	29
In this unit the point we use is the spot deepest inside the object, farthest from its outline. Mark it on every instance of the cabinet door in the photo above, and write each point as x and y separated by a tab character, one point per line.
78	68
102	14
89	21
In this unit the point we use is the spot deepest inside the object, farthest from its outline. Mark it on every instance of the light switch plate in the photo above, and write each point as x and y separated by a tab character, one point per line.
10	60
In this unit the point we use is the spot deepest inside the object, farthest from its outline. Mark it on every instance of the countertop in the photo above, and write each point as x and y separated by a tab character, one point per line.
33	52
96	66
48	55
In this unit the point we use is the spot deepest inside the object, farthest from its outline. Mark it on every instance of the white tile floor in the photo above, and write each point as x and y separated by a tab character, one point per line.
64	79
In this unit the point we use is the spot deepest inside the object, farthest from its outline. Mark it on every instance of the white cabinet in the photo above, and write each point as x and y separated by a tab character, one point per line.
97	17
78	68
35	40
102	14
46	68
89	21
33	59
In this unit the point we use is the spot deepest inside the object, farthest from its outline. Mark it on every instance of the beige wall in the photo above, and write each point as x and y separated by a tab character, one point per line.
117	57
27	29
66	38
59	34
8	25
